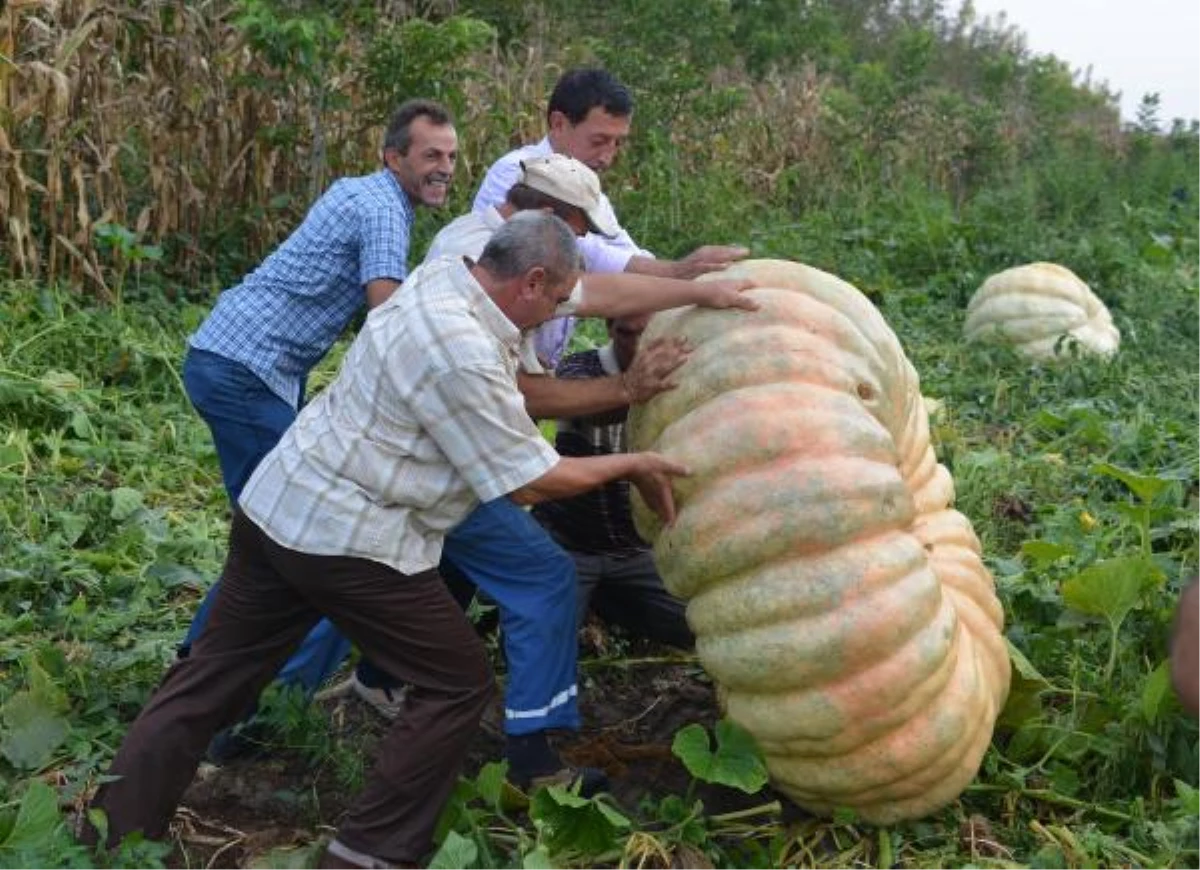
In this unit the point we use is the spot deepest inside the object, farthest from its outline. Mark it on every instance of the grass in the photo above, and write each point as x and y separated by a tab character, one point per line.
112	522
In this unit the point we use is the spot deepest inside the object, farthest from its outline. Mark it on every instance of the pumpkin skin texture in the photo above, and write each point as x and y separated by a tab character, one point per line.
839	603
1033	306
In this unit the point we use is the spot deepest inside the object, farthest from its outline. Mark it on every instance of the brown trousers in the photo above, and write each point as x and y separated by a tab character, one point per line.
269	598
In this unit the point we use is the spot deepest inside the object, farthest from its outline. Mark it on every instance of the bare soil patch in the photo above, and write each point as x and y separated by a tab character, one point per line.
632	707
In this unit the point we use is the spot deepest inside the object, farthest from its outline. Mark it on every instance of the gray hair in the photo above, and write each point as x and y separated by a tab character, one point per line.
529	239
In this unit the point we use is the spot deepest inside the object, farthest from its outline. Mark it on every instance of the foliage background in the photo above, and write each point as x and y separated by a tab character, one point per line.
152	152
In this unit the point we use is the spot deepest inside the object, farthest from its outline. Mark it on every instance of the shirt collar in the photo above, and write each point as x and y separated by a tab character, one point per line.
398	190
608	360
493	319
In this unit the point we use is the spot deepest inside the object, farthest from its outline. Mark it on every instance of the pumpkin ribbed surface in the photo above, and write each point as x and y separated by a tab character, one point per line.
839	603
1034	306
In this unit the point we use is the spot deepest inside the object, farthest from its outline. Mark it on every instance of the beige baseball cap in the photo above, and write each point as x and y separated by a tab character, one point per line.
572	182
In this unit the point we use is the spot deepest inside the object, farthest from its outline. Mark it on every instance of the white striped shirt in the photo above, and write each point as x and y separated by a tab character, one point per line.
423	421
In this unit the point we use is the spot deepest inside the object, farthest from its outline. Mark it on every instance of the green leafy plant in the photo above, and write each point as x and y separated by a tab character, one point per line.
1111	589
126	250
735	761
907	150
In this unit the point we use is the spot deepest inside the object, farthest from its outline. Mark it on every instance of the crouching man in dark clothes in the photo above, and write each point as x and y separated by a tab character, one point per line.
617	576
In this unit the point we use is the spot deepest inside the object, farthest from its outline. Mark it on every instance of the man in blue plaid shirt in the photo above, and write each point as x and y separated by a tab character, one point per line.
247	364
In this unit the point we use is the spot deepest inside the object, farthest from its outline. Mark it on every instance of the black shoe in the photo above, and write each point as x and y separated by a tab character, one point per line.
585	781
242	741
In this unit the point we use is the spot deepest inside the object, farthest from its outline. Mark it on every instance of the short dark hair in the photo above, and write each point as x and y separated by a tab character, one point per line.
522	197
585	88
399	136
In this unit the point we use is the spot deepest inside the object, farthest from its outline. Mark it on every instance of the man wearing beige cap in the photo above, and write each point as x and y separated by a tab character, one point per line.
555	183
570	190
499	548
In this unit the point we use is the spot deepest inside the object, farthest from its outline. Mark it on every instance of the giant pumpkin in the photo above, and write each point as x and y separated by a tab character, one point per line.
1041	309
839	602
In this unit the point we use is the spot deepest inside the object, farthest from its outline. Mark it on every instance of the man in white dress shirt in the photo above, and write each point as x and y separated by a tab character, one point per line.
588	118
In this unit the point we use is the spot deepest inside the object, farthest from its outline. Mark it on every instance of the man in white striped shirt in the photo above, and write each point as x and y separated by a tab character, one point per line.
501	549
345	519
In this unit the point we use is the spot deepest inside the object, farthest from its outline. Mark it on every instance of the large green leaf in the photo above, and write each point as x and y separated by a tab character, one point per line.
1024	703
1112	588
570	822
1044	553
1144	486
737	761
36	819
126	501
1156	693
490	782
455	851
537	859
1022	665
33	731
42	685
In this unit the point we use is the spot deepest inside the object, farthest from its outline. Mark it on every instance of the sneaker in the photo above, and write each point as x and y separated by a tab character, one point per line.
388	703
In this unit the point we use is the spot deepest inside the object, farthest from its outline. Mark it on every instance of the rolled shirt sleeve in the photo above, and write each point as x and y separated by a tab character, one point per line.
384	249
609	255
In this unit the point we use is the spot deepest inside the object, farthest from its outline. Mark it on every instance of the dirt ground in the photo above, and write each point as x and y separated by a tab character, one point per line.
632	705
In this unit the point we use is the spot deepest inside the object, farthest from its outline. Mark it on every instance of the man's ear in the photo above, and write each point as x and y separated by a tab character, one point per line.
535	279
557	121
533	285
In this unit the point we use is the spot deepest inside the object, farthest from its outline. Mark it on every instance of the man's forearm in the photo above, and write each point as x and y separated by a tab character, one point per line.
640	265
571	397
624	294
574	475
379	290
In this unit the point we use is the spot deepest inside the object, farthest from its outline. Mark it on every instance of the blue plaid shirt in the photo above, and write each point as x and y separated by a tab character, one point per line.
286	314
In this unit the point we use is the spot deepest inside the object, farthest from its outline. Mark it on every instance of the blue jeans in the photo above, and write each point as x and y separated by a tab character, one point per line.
247	420
499	547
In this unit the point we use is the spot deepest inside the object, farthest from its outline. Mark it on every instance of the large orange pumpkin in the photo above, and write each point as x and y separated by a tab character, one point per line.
839	603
